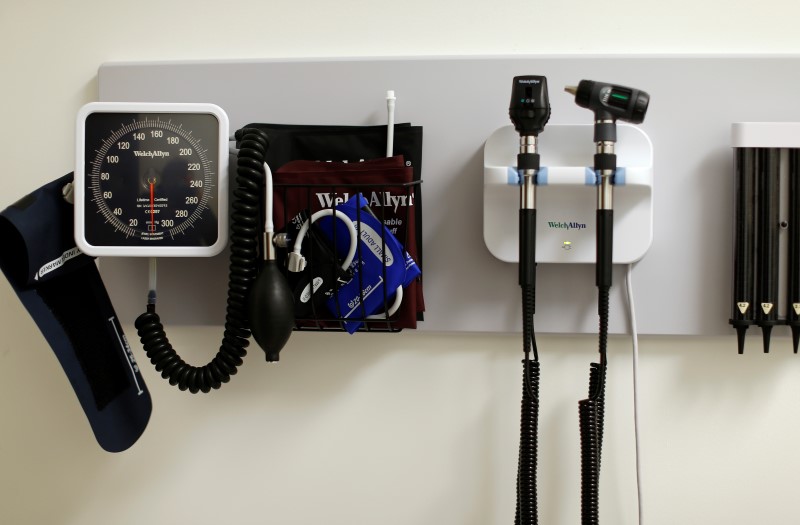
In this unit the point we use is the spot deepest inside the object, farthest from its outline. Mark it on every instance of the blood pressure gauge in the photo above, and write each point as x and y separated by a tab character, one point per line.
151	179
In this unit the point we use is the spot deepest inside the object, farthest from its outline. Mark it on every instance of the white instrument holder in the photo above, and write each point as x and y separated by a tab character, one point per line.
566	195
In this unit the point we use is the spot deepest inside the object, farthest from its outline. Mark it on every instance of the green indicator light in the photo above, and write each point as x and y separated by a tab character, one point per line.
619	96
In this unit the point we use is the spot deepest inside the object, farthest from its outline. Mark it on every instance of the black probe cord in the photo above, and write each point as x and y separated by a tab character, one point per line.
591	416
591	411
527	507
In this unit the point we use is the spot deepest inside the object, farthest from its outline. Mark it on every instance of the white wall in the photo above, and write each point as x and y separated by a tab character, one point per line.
409	428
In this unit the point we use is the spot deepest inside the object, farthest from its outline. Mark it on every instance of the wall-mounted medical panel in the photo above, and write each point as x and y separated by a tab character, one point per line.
683	279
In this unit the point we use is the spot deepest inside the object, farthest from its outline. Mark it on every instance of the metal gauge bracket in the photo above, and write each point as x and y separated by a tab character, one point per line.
151	179
566	195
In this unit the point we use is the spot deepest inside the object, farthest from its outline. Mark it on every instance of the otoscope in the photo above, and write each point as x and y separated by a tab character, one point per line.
610	103
529	111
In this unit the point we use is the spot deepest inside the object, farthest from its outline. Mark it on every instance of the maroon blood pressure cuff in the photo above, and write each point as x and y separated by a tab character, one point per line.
62	291
349	144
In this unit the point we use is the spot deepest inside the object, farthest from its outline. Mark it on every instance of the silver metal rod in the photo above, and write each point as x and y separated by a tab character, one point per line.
605	187
605	194
527	192
269	247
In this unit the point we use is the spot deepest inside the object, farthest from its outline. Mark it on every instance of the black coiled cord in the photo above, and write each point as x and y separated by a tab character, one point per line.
591	425
245	234
591	413
527	508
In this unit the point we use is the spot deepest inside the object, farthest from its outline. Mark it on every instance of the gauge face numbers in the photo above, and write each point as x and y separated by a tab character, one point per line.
151	183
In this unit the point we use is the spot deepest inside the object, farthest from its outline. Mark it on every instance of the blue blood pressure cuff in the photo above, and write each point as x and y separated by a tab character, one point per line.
62	291
381	267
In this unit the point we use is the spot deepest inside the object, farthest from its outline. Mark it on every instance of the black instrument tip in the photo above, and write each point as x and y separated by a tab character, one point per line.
740	333
766	332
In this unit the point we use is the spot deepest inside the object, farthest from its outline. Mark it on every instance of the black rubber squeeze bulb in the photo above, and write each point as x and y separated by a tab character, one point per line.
270	308
270	303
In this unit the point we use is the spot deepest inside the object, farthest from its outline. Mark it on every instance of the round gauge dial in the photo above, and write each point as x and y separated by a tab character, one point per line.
151	179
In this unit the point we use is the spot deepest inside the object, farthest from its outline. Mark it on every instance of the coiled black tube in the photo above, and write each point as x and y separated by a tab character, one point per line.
527	507
528	332
591	414
245	233
602	311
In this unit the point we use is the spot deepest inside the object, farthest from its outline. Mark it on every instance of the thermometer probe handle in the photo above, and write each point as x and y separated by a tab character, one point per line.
793	295
769	219
743	307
